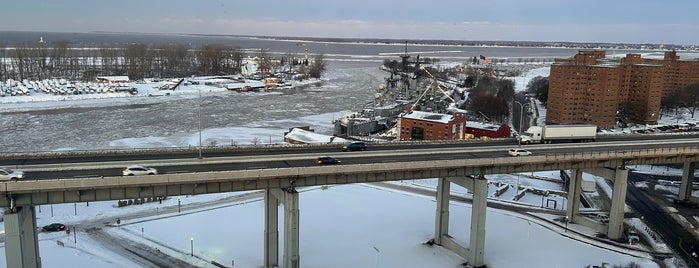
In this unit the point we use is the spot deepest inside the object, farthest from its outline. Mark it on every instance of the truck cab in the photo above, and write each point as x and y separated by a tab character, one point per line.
532	135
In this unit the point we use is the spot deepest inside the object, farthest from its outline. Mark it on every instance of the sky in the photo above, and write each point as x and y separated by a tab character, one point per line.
642	21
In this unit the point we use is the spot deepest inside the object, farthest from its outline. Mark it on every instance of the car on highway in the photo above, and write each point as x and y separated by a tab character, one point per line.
7	174
685	203
327	160
518	152
54	227
354	146
138	170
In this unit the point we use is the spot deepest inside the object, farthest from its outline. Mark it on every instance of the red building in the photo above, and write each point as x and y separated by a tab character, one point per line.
419	125
480	130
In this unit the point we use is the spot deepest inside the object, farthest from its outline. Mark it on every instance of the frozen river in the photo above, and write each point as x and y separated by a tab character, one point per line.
167	121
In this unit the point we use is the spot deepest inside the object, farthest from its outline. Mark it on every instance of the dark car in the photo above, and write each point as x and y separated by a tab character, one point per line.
354	146
327	160
685	203
54	227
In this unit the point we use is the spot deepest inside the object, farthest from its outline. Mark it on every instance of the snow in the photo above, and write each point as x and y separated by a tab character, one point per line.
308	137
428	116
347	225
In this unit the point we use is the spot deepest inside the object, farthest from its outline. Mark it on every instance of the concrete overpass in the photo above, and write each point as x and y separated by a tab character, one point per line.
280	185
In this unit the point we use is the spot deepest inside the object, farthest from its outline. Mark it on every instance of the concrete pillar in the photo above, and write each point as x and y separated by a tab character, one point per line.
271	230
616	213
21	238
291	229
687	179
441	225
574	190
477	243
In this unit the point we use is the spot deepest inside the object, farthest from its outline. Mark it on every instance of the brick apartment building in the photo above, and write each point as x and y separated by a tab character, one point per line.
590	88
419	125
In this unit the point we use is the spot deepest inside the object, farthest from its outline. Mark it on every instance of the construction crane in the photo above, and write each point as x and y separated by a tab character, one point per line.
435	83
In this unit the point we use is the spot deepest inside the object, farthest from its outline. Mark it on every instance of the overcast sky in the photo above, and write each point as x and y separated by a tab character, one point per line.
638	21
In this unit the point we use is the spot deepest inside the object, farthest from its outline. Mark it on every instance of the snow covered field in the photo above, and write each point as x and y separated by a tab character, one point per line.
341	226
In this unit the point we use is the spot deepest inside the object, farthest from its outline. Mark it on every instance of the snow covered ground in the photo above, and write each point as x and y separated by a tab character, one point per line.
341	226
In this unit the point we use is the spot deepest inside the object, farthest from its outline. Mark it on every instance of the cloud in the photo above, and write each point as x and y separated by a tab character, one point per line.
476	23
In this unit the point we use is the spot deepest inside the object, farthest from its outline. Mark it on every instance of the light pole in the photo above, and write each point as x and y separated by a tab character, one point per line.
191	246
521	114
199	119
376	261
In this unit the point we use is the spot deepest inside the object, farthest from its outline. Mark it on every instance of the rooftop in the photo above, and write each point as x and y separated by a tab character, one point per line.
428	116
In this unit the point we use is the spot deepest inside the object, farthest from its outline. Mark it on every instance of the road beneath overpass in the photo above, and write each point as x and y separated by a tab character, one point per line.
648	204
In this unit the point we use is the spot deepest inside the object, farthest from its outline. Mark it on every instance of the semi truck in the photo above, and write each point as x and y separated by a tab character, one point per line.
553	133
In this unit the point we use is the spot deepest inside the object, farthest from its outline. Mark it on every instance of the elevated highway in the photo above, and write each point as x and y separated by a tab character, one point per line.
82	177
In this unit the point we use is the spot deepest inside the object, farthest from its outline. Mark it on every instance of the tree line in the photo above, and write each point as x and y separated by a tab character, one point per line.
138	60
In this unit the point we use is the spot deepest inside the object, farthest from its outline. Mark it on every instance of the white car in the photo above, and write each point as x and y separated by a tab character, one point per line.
7	174
518	152
138	170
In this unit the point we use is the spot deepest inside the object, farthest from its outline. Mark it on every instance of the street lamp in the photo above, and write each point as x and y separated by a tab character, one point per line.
199	118
521	114
376	261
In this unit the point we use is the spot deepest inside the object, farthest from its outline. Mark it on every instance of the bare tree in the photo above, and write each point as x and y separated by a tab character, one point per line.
264	62
136	60
318	66
19	63
539	87
212	59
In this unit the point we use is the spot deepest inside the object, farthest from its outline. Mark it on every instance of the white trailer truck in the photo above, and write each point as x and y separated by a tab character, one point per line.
548	134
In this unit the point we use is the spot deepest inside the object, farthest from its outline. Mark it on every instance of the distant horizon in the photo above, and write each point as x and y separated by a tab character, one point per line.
331	39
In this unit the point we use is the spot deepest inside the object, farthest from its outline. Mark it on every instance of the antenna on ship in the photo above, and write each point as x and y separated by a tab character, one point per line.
405	54
406	48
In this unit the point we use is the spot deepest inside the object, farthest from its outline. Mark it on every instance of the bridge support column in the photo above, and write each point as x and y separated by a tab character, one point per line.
480	199
21	239
473	255
441	226
291	229
574	191
687	179
616	213
290	199
271	230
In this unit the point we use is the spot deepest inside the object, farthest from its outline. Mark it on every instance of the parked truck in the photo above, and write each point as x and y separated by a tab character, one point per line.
548	134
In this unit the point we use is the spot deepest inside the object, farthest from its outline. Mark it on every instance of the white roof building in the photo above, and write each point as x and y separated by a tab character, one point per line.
302	136
428	116
114	79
